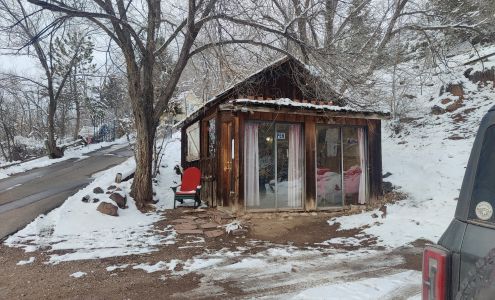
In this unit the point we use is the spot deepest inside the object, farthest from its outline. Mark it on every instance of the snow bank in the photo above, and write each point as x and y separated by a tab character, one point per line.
371	288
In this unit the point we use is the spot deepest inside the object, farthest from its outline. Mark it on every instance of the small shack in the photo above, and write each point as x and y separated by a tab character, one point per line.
269	143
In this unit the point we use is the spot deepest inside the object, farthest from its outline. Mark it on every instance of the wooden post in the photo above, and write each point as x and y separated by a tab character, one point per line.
310	145
375	159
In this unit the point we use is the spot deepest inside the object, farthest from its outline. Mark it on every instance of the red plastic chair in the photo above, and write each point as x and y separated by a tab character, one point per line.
190	187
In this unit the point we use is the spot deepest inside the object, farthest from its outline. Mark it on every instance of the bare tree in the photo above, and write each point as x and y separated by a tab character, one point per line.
28	30
137	32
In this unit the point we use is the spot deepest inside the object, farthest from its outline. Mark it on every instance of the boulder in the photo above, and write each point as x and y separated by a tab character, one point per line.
454	106
108	209
387	187
98	190
437	110
119	199
96	200
446	101
85	199
112	187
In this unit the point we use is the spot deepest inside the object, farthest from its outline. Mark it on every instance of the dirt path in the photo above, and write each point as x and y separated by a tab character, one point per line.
242	267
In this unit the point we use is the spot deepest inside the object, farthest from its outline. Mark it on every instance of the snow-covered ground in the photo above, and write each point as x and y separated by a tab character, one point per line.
77	152
425	164
84	233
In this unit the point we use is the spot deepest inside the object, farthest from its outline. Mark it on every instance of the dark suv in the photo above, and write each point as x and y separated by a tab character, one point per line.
449	266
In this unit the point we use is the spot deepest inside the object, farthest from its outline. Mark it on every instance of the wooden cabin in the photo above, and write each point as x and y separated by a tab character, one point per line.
266	144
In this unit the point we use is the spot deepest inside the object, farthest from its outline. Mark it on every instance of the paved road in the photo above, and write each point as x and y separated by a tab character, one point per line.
26	195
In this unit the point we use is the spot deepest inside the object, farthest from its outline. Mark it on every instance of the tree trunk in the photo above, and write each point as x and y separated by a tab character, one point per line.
78	119
51	143
330	11
142	96
142	189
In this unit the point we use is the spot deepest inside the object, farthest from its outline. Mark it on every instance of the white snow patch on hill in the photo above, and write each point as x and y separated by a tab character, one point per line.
426	164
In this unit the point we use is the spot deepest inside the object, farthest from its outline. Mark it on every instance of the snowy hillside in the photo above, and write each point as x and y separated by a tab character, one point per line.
427	154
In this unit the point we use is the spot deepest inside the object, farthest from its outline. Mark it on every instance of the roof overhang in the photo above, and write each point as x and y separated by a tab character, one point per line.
293	107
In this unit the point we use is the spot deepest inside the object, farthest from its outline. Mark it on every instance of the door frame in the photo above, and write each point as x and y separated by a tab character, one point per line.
366	168
304	171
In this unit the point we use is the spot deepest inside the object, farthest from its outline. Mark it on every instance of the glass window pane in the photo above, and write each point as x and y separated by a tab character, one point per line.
484	187
192	142
328	167
290	166
352	164
266	149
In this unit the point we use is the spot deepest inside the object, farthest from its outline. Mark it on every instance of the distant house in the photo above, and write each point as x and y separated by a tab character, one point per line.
266	144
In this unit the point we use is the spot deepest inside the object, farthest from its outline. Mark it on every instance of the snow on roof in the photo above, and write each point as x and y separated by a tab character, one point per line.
318	106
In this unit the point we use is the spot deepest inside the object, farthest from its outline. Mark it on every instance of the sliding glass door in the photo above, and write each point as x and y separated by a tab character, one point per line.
340	166
328	167
273	165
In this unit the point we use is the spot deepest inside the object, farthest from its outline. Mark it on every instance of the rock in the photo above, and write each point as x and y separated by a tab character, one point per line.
189	231
386	175
112	187
208	225
108	209
118	178
455	137
185	226
118	189
387	187
383	209
454	106
98	190
374	216
239	231
96	200
85	199
119	199
437	110
446	101
214	233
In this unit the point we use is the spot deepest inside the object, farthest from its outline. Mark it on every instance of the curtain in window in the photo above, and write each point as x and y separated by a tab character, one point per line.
295	166
251	166
362	159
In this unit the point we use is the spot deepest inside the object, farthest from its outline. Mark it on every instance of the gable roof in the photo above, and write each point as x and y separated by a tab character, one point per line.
304	79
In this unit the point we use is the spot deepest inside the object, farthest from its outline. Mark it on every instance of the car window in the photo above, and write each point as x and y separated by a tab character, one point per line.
483	197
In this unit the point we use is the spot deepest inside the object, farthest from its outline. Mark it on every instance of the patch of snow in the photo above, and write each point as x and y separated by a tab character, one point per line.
371	288
201	263
247	263
159	266
115	267
167	176
26	262
78	274
232	226
351	241
285	102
